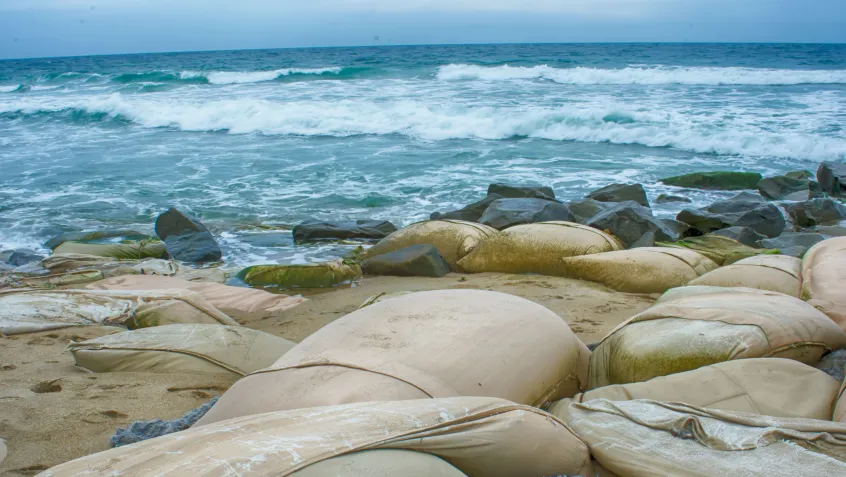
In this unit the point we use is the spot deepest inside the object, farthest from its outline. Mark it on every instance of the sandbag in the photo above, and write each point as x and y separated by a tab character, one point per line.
640	270
310	275
767	386
137	250
453	238
778	273
223	297
722	250
823	278
648	438
281	443
60	279
381	463
195	348
110	267
429	344
29	311
382	297
537	248
840	406
692	327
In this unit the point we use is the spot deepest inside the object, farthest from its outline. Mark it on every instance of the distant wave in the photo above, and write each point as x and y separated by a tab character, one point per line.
656	75
241	77
15	88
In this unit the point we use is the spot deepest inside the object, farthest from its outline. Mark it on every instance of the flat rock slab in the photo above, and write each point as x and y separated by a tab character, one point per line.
414	261
620	193
350	230
716	180
521	192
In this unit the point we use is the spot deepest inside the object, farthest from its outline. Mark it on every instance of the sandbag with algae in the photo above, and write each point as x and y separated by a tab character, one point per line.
134	250
722	250
311	275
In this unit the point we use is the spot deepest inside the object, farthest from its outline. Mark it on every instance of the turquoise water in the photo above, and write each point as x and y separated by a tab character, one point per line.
273	137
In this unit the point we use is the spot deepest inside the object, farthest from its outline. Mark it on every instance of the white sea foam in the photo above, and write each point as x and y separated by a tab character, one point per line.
655	75
242	77
9	88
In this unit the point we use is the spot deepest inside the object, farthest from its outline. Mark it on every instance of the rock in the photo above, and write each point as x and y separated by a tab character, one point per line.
471	213
186	238
780	187
716	180
834	364
19	257
504	213
620	193
680	229
667	199
414	261
796	251
832	178
722	250
267	239
584	210
359	229
744	235
521	192
142	430
96	236
630	222
796	243
830	230
800	175
816	212
747	210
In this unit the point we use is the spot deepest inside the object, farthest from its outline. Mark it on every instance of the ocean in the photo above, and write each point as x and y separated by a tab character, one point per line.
253	142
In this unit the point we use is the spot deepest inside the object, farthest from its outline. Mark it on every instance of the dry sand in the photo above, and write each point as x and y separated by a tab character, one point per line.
51	412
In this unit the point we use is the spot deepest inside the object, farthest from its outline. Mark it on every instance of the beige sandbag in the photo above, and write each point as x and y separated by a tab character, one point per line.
453	238
824	278
111	267
697	326
537	248
308	275
3	451
722	250
223	297
206	349
840	407
61	279
640	270
481	437
381	463
135	250
29	311
382	297
649	438
429	344
767	386
778	273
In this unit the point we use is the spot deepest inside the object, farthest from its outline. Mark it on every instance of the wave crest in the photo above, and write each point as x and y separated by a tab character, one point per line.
242	77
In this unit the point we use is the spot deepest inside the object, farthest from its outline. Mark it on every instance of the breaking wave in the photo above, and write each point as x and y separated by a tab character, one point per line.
241	77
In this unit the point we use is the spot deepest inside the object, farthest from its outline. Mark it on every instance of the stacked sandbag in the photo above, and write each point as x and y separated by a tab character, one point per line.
536	248
649	438
691	327
310	275
195	348
823	278
840	406
223	297
429	344
110	267
287	442
453	238
640	270
60	279
722	250
767	386
134	250
778	273
29	311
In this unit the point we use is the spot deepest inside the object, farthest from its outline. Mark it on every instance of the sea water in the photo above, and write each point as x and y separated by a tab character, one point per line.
253	142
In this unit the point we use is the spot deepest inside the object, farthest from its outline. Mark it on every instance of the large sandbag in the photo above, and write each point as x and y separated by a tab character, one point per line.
481	437
824	276
381	463
766	386
692	327
59	279
29	311
778	273
310	275
640	270
206	349
428	344
722	250
223	297
840	406
453	238
136	250
649	439
111	267
537	248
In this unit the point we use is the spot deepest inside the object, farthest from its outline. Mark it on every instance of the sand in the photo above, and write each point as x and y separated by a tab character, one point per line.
51	412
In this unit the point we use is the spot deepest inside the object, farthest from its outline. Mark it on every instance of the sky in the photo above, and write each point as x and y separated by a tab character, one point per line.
43	28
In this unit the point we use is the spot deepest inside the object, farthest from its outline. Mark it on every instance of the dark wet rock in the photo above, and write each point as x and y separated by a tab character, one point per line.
800	175
669	199
829	230
415	261
716	180
267	239
834	364
747	197
522	192
620	193
680	229
19	257
96	236
357	229
584	210
630	222
746	210
186	238
832	178
504	213
793	244
744	235
471	213
816	212
142	430
783	187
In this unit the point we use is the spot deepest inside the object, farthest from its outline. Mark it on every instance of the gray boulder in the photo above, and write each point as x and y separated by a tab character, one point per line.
584	210
521	192
715	180
816	212
186	238
95	236
471	213
620	193
783	187
143	430
680	230
632	223
354	229
668	199
832	178
19	257
504	213
790	243
834	364
415	261
744	209
744	235
829	230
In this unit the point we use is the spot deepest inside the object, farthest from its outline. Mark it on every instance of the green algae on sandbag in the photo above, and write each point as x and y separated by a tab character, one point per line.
98	236
63	279
716	180
133	250
311	275
722	250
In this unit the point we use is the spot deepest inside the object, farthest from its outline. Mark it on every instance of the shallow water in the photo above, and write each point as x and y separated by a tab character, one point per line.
274	137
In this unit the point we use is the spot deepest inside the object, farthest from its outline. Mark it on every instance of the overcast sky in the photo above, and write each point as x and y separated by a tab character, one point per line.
33	28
